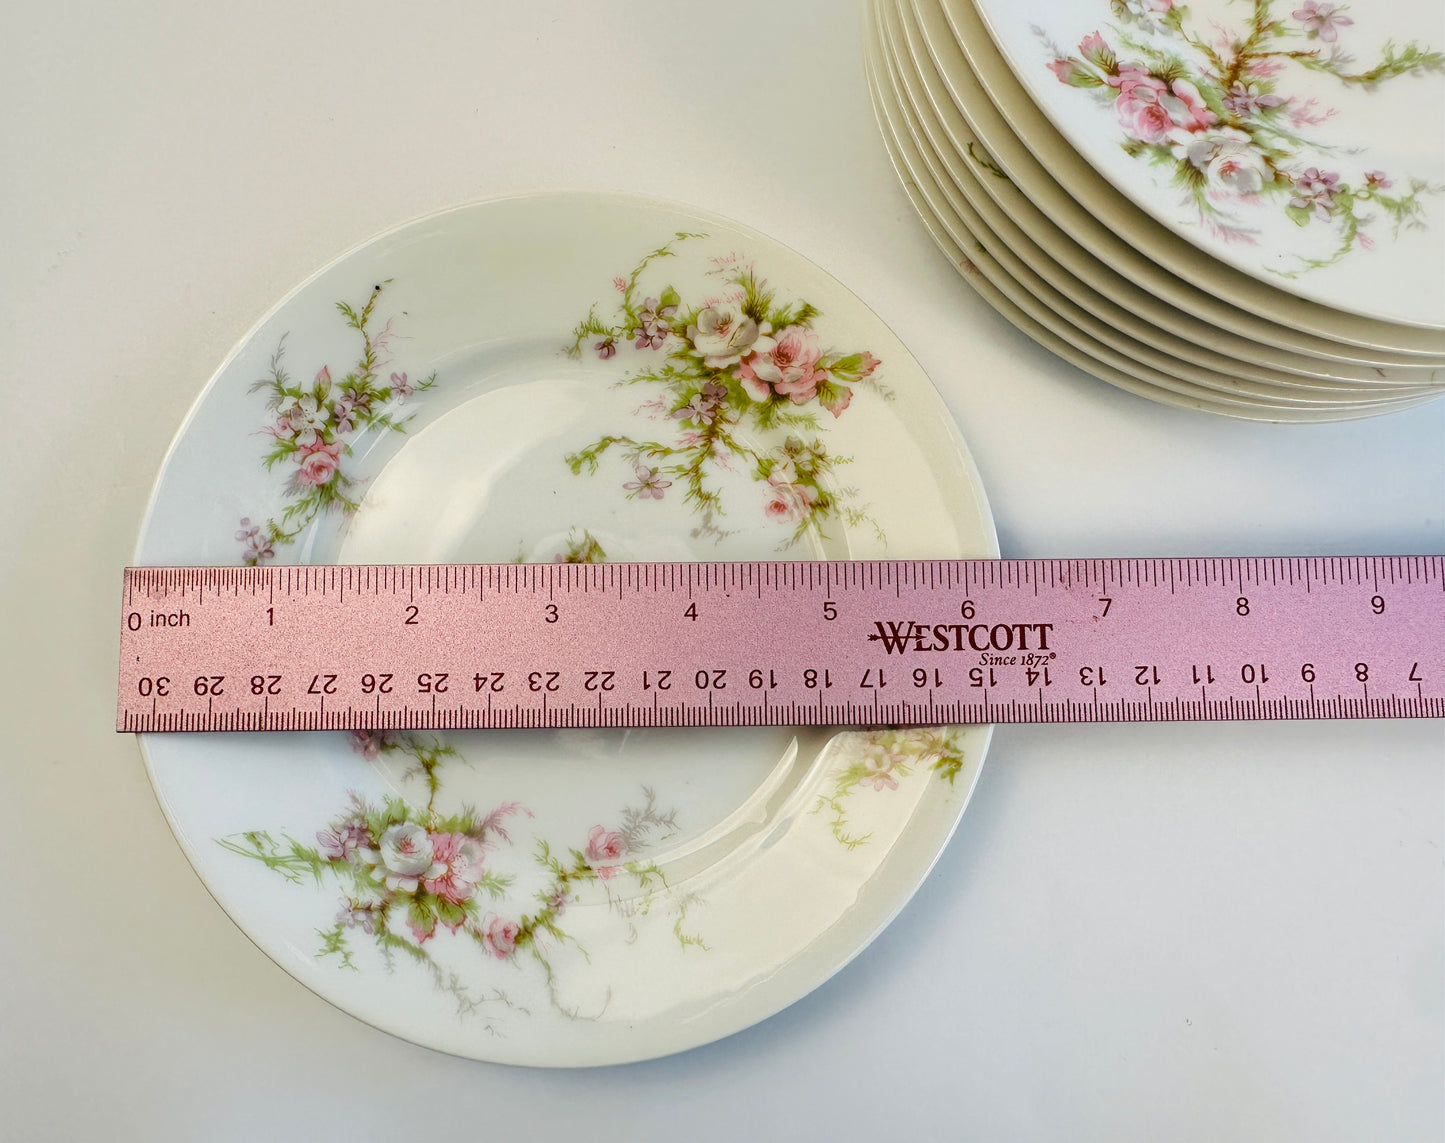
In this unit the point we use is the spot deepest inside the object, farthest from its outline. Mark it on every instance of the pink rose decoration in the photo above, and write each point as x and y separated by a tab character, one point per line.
319	463
1130	74
1150	111
1138	105
786	364
500	936
604	847
605	844
789	503
461	859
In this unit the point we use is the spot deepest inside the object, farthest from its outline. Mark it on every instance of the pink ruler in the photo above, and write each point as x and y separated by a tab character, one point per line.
747	644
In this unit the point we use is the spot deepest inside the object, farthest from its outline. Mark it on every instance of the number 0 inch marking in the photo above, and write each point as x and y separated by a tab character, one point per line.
752	644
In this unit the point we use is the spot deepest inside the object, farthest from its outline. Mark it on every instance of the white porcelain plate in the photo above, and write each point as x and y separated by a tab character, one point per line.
568	377
1300	141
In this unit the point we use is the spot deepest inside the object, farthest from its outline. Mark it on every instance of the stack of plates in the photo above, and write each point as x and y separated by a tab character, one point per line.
1238	208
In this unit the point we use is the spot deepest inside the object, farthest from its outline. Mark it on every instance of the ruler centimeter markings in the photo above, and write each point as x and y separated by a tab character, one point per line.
877	642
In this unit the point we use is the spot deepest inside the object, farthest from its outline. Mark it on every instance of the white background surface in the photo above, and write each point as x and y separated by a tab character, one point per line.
1140	932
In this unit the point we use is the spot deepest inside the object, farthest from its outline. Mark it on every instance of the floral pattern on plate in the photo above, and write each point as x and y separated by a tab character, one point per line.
1212	108
410	873
878	759
732	370
312	427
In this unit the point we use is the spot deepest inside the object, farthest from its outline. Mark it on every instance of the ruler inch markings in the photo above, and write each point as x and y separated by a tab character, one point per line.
1364	634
